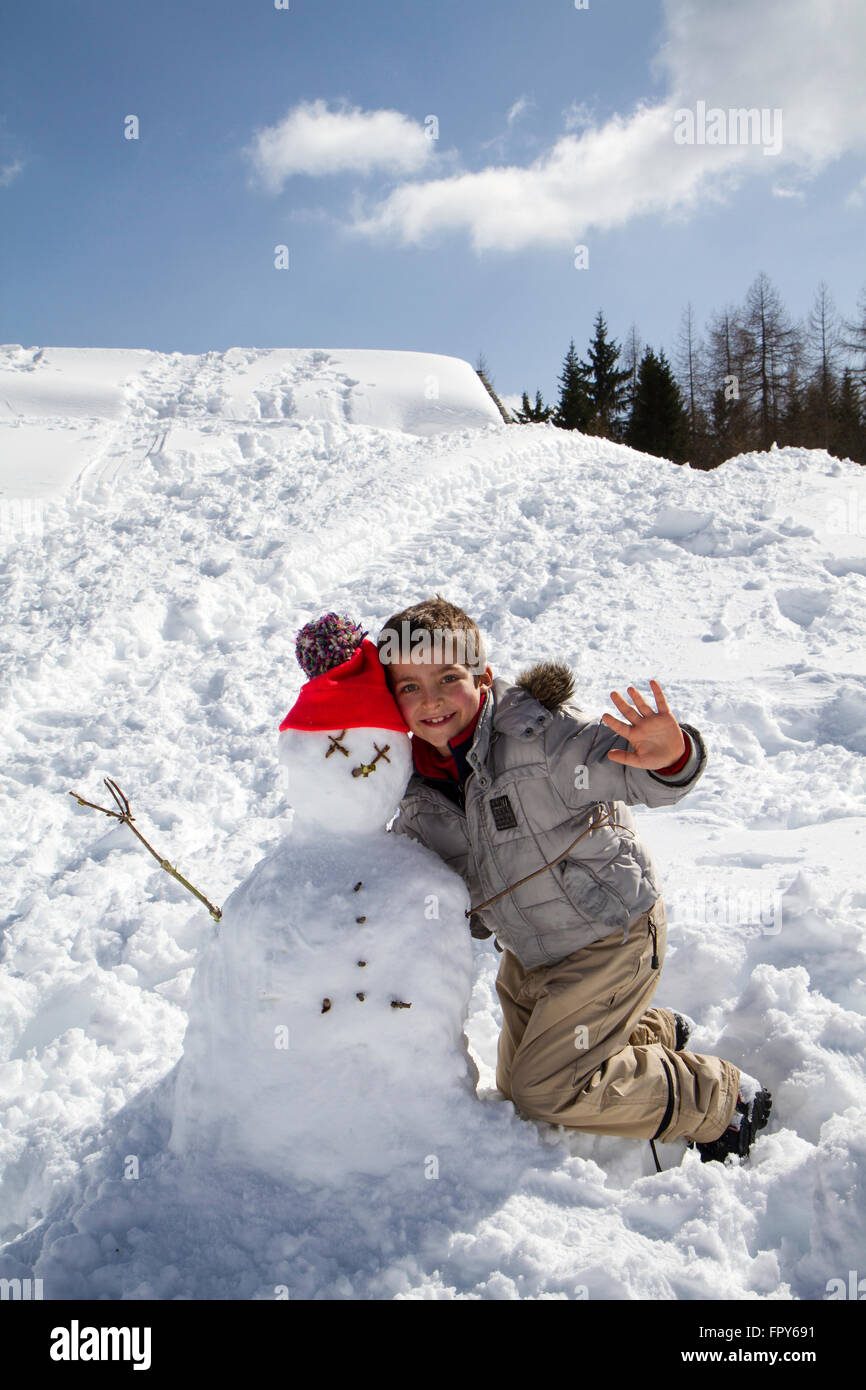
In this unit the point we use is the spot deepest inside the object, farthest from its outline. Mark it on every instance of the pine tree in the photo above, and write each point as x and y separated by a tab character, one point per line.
631	355
607	391
800	424
659	421
574	409
692	373
724	388
822	347
856	339
532	414
796	421
770	338
848	427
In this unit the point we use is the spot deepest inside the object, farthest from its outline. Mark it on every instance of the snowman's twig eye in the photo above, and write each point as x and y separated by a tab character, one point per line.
335	743
366	768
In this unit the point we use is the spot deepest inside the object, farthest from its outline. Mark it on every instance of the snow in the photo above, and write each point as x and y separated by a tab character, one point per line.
167	524
60	407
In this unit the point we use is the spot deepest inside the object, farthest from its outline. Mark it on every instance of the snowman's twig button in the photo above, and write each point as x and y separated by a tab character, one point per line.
399	1004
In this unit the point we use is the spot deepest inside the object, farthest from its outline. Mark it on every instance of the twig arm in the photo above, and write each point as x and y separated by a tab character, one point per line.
125	816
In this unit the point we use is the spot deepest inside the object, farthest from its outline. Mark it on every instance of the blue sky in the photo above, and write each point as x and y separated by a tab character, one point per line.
308	127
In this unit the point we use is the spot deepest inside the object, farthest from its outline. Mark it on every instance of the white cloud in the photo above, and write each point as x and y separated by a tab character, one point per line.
577	116
857	196
801	57
627	168
520	105
499	142
9	171
311	139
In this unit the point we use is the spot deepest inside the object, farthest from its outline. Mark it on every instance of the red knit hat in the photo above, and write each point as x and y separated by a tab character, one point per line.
348	689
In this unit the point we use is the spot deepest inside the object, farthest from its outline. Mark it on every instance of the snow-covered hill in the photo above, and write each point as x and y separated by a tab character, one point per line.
64	411
167	524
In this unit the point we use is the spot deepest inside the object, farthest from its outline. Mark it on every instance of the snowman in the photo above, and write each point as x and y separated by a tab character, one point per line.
325	1033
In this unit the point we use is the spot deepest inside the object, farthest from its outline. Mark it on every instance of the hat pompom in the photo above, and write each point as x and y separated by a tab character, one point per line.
327	642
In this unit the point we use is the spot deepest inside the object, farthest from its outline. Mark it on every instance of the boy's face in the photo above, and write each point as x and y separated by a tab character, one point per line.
436	701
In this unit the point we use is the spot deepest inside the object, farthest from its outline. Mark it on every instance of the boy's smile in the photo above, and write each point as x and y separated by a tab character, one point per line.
437	701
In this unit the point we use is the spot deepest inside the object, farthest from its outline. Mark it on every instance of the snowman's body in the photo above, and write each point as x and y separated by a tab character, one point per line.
326	1016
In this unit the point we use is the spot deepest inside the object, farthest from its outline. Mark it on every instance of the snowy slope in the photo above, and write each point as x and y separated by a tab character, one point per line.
64	410
157	560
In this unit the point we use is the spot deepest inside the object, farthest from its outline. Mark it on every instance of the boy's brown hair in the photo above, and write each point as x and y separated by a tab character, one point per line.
459	637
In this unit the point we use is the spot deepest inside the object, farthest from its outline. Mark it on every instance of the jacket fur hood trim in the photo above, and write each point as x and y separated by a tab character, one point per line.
551	683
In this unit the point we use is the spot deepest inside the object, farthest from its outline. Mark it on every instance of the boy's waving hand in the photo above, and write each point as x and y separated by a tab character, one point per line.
655	736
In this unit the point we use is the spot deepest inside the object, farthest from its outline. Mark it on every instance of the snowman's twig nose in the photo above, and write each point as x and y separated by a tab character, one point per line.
366	768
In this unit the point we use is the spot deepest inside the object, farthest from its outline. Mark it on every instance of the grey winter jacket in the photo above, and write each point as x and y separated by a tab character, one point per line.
539	776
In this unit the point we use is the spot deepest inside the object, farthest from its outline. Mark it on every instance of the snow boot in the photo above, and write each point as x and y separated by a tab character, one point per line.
754	1114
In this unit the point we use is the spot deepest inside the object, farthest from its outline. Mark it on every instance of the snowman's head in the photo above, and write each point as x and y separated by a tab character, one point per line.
344	744
344	781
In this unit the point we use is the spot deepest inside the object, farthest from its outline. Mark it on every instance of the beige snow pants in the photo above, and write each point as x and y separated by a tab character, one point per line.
580	1047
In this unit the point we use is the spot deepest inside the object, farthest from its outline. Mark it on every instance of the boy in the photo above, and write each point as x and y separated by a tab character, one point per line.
527	799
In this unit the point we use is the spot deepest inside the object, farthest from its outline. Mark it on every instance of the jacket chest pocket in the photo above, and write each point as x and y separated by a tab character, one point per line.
592	899
501	817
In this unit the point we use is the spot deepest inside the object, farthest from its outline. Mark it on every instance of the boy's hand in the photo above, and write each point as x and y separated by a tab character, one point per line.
655	737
